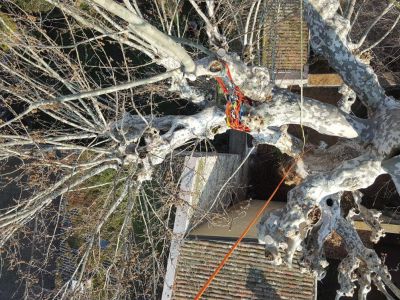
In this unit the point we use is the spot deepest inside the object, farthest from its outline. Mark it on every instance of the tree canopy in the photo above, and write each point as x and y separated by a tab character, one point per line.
99	97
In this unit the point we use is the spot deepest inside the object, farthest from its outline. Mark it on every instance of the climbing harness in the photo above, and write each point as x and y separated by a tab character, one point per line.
234	101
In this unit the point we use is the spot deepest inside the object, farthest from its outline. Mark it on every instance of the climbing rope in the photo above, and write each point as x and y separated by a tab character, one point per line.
234	102
244	233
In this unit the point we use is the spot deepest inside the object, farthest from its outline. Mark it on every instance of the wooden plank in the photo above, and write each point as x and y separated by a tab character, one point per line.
318	80
334	80
389	228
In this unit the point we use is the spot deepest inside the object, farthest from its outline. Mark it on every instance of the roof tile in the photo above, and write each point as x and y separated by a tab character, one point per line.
247	275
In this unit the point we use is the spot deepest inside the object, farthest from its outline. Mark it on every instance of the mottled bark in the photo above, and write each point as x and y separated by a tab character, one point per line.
163	135
329	33
348	166
285	108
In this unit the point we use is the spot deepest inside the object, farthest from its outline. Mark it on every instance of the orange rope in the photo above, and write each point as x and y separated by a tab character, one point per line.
234	246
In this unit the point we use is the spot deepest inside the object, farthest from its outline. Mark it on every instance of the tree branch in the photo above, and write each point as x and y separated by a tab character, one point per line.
284	108
382	37
94	93
329	37
367	31
167	47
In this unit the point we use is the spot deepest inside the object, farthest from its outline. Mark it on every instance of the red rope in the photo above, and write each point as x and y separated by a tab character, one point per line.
233	107
222	85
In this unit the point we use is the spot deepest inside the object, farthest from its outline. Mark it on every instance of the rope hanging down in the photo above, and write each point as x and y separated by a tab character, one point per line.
234	101
244	233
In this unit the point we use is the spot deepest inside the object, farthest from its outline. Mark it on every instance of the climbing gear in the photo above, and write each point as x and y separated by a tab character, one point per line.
234	101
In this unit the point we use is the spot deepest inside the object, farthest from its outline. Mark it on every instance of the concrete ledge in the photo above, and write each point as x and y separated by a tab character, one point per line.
203	176
239	217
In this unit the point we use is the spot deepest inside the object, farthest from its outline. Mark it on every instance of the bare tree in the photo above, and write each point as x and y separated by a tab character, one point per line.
81	86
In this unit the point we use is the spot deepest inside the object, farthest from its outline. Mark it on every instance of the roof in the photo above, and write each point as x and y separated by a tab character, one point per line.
247	275
285	38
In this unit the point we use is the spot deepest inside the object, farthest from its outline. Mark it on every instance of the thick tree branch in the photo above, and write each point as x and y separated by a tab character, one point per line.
167	47
284	108
285	229
329	37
